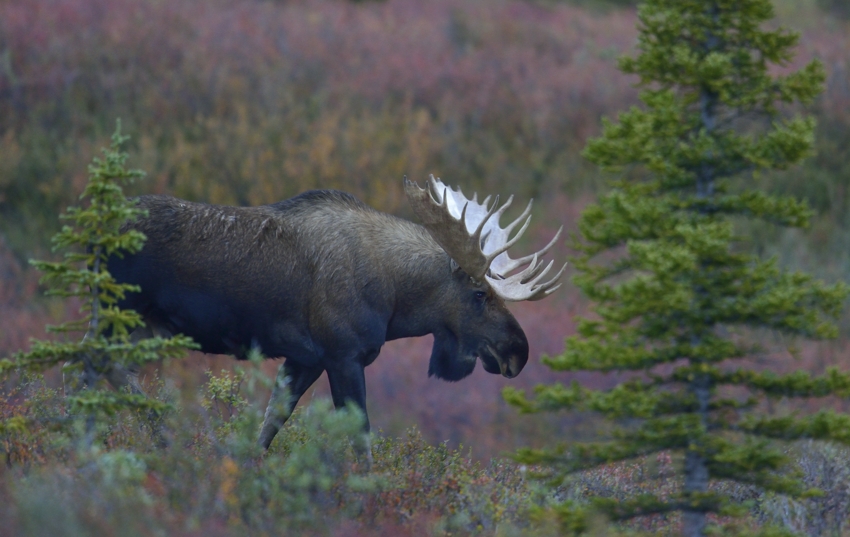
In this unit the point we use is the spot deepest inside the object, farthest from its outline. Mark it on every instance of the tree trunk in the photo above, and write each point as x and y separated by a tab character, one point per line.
90	370
696	469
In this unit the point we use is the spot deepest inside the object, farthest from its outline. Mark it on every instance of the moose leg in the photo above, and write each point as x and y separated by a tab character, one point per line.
117	375
127	376
121	377
291	383
348	384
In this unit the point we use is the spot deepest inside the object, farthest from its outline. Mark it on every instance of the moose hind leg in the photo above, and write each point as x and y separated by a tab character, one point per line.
117	375
290	384
127	376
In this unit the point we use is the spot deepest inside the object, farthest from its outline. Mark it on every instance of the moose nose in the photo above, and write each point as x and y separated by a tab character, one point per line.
512	366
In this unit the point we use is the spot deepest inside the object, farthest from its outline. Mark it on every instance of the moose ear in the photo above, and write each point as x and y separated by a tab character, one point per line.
446	361
454	265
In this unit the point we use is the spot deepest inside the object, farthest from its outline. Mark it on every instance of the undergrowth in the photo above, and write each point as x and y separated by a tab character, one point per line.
213	479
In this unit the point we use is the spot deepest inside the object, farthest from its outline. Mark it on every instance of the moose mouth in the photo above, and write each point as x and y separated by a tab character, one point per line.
493	364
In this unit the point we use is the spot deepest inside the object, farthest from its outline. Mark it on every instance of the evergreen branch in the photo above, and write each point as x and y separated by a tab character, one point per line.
564	460
780	210
46	354
652	436
649	504
109	403
600	347
793	303
754	462
796	384
636	399
823	425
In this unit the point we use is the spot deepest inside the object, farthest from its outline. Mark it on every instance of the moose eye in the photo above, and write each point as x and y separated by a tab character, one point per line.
480	295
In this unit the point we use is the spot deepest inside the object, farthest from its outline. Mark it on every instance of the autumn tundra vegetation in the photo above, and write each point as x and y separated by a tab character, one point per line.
694	368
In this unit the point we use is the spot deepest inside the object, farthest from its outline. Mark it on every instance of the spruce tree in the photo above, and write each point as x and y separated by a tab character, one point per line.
94	235
679	302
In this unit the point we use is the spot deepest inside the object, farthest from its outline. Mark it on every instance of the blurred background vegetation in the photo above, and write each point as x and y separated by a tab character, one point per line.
251	101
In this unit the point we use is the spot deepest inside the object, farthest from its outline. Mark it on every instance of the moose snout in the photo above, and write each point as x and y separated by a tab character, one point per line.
508	363
515	355
513	365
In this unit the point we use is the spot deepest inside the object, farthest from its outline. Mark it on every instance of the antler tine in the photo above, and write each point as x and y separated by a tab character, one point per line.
512	264
510	227
504	248
517	287
488	237
503	208
549	246
470	233
433	183
498	242
441	198
476	235
534	272
544	294
549	286
542	275
490	213
504	233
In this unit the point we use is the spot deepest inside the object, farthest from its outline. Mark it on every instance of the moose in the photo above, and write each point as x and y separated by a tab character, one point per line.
324	281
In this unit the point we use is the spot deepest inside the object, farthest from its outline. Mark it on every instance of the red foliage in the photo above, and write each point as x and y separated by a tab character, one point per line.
457	53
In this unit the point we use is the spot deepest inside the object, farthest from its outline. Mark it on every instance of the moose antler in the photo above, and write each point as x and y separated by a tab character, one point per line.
470	233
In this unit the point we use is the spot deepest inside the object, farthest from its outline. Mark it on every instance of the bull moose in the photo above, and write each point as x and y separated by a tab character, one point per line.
323	281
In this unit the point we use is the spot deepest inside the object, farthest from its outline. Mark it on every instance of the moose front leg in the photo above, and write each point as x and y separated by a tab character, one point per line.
291	383
348	384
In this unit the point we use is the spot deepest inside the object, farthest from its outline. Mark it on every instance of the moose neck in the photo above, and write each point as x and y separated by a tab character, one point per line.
420	272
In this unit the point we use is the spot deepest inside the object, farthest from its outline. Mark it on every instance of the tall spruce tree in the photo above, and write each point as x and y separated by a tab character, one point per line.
94	236
678	299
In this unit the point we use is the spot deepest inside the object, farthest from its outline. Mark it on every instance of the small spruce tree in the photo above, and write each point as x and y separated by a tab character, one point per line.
94	235
679	301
